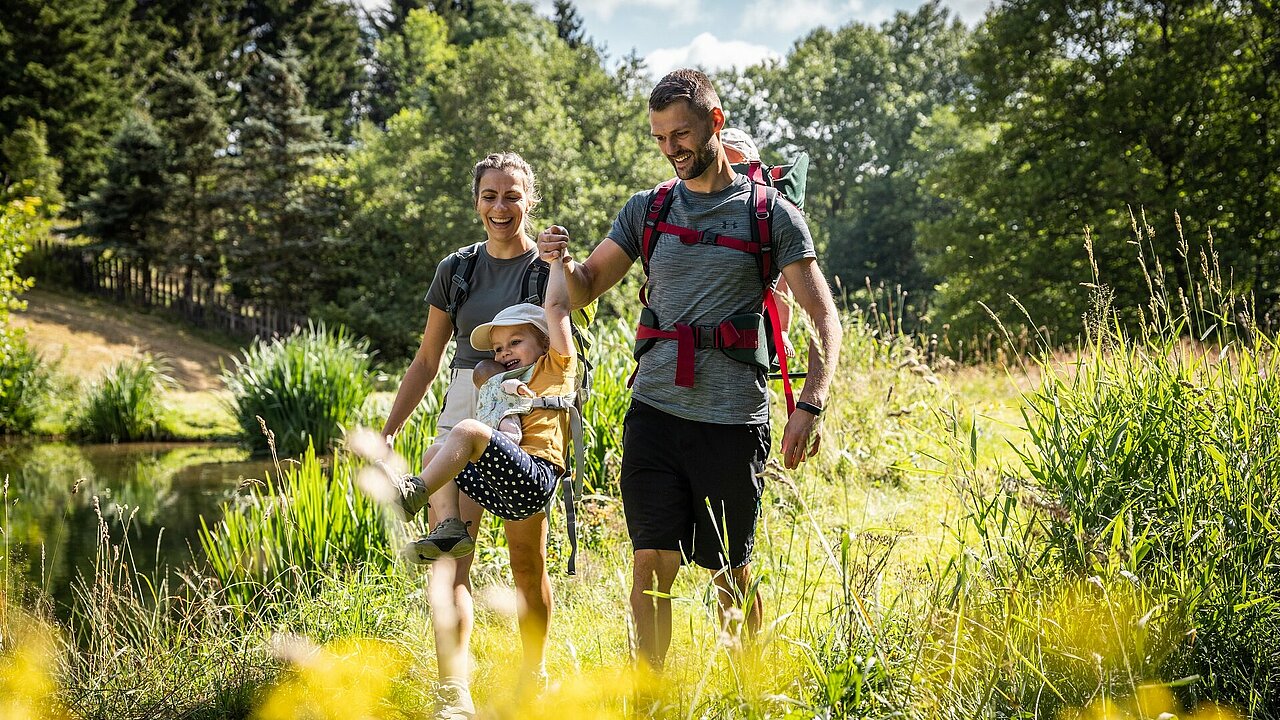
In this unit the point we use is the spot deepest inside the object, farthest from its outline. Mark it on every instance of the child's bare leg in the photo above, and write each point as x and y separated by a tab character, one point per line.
465	443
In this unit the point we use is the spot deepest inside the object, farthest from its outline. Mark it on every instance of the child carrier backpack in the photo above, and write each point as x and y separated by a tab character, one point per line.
461	267
751	338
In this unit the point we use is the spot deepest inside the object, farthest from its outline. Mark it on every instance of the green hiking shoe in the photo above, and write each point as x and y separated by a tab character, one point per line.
410	496
449	537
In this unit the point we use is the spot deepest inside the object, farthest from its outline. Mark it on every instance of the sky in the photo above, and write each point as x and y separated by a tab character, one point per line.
716	34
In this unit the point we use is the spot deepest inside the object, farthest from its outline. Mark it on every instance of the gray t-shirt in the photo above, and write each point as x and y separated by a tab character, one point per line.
704	285
495	285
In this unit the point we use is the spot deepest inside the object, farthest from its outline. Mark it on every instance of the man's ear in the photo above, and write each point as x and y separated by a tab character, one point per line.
717	120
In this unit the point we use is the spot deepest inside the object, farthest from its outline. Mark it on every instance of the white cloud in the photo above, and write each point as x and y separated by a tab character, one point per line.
709	52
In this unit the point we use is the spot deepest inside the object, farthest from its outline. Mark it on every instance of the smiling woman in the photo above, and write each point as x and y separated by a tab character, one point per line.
470	287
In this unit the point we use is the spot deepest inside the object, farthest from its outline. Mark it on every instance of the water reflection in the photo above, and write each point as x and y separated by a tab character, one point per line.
150	494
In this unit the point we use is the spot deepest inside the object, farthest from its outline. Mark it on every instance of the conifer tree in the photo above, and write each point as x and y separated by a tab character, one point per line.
283	217
65	63
125	209
190	123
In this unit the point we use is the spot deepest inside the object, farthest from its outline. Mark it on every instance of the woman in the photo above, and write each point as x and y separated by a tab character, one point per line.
505	194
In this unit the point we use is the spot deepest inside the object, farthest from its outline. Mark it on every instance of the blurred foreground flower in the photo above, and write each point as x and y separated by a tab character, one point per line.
28	657
1153	702
349	678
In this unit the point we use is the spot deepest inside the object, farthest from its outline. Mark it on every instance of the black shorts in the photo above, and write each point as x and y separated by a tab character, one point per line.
507	481
692	487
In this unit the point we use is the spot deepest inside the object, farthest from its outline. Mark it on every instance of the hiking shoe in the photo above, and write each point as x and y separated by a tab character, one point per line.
454	702
450	537
409	497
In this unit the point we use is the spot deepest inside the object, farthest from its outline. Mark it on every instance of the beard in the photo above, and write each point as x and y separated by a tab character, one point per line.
703	157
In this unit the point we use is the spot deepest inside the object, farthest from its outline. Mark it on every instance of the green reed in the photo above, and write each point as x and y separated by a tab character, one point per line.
308	388
126	404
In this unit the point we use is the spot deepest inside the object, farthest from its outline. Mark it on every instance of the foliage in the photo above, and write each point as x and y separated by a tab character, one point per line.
67	65
28	170
308	519
125	209
25	381
1093	106
23	378
283	223
126	404
306	388
853	97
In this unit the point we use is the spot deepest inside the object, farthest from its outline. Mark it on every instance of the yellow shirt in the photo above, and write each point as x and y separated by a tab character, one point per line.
545	430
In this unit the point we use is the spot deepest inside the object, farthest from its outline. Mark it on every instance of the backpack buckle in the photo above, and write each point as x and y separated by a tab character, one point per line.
762	215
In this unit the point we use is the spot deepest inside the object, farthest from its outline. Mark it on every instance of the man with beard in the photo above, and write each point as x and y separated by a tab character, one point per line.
697	434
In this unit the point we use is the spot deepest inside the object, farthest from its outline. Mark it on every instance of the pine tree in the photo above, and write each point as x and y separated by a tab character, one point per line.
65	63
125	209
326	35
569	24
191	126
284	217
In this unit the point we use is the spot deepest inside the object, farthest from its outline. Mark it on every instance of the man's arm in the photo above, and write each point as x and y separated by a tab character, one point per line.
586	281
809	288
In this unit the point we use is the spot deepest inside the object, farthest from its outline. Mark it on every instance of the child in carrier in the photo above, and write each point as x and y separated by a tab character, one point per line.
512	477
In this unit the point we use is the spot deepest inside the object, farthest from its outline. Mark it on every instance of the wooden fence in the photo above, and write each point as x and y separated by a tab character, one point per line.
131	281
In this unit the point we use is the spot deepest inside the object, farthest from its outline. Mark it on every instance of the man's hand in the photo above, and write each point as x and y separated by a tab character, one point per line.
553	243
800	439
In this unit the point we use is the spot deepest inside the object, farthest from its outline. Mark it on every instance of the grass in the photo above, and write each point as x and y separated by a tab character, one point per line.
126	404
1089	538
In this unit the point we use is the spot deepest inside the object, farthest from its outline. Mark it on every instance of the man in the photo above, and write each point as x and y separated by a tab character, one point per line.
694	447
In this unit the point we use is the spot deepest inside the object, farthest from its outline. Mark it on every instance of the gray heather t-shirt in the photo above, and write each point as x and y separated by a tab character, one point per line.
495	285
704	285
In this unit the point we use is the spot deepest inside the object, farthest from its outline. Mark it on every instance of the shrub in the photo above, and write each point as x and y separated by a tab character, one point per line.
126	404
24	382
307	388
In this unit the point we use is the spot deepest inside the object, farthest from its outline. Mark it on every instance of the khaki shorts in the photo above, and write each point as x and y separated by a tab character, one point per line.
459	403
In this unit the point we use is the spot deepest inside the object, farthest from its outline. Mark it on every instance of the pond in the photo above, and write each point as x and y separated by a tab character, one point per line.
62	502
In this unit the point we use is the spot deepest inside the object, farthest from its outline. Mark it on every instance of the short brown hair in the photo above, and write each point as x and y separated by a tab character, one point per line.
692	86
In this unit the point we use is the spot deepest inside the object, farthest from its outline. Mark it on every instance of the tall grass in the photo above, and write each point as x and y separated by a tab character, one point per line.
126	404
276	538
307	387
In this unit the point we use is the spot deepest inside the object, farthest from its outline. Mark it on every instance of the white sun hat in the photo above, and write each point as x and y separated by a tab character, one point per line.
521	314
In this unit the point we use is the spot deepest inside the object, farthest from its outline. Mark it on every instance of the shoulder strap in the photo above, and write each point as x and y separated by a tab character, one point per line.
463	267
659	206
534	282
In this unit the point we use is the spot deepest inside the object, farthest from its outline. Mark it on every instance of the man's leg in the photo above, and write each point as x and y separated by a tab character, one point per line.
653	570
527	541
733	590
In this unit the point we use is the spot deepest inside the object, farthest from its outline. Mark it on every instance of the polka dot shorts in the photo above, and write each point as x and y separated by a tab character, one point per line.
507	481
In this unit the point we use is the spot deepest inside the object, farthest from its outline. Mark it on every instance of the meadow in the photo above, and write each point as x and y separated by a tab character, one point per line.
1077	535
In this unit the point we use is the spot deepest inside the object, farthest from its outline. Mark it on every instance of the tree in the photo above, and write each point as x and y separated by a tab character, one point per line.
326	36
126	207
28	170
64	63
285	218
190	124
409	61
569	24
1101	110
854	98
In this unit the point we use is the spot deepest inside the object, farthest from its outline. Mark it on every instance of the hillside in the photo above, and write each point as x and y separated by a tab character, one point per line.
89	335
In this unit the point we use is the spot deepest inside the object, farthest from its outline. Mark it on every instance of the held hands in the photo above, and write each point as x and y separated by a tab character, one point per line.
553	244
800	439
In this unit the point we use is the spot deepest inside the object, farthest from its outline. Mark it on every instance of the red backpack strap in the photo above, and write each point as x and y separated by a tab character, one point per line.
771	308
755	172
656	214
762	200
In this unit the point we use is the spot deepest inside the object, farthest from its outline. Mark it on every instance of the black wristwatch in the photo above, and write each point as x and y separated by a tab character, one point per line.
809	408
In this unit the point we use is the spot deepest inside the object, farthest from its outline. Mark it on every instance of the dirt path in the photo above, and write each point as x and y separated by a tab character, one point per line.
90	335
